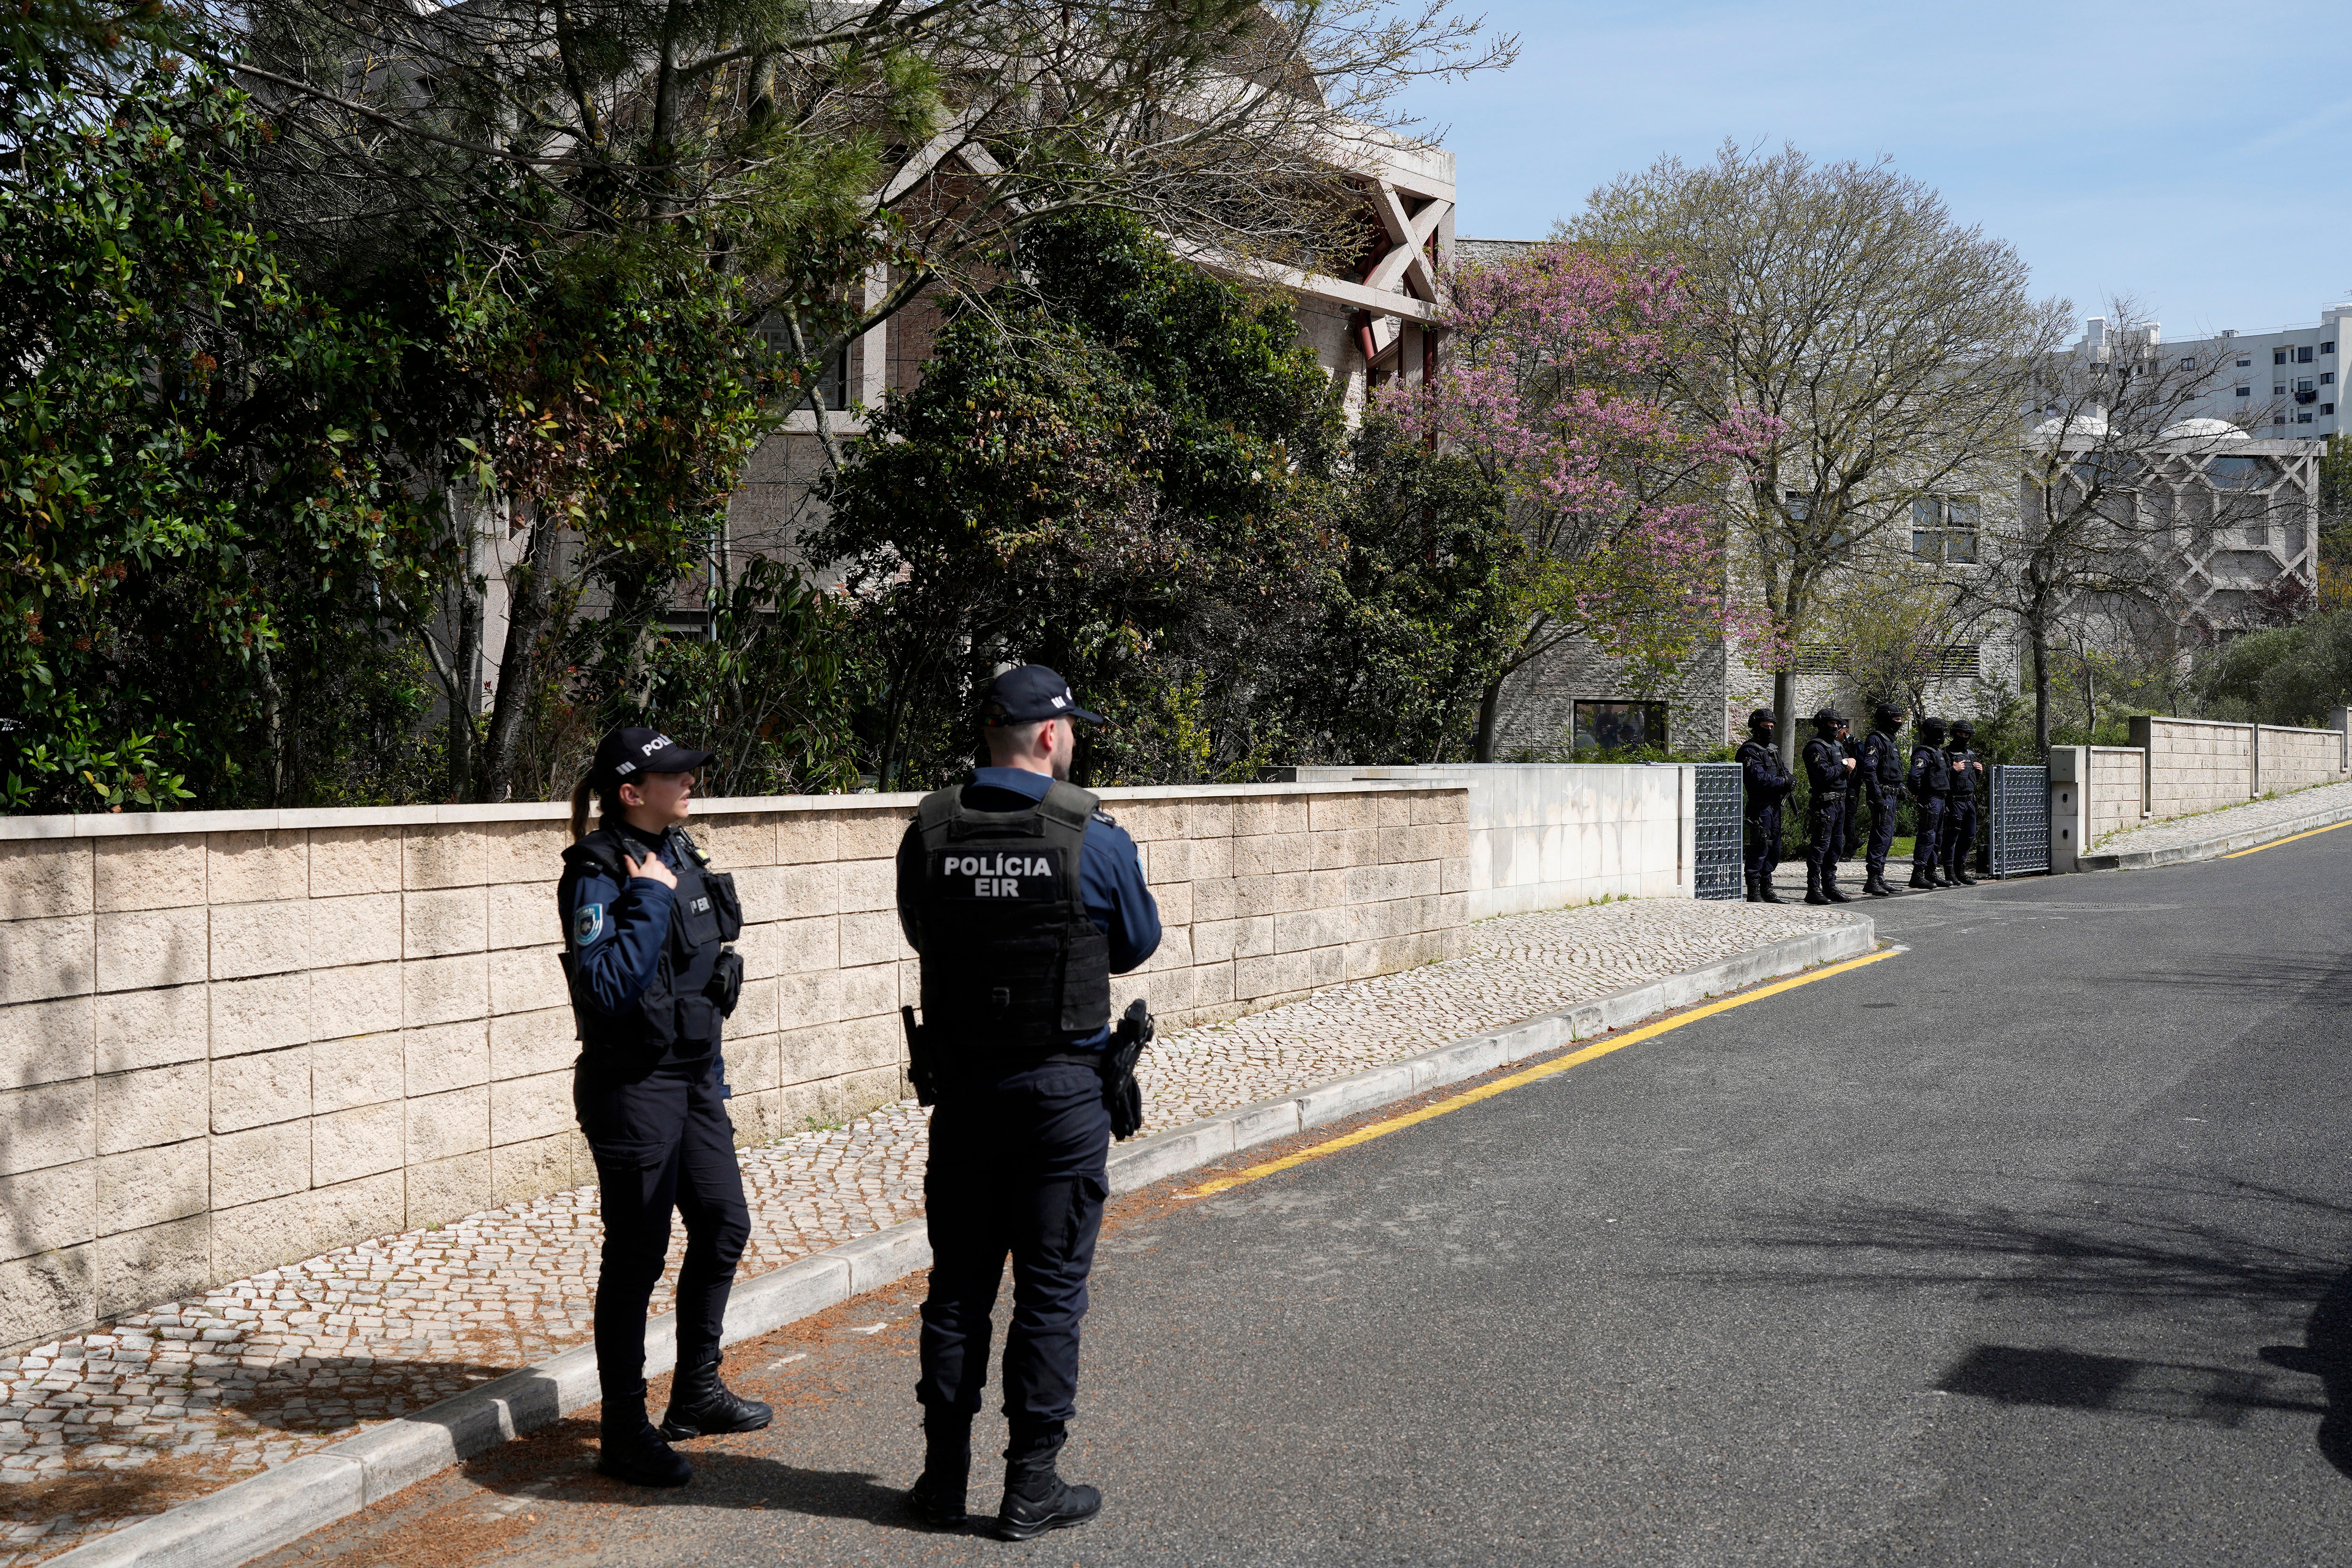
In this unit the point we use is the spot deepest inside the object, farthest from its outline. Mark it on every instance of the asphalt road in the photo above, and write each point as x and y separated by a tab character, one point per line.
2030	1245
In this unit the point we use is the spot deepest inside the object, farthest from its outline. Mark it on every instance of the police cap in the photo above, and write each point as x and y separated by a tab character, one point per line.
1028	693
626	755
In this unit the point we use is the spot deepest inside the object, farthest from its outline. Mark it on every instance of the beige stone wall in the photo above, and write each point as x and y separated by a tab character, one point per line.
2298	759
2116	785
2196	764
253	1036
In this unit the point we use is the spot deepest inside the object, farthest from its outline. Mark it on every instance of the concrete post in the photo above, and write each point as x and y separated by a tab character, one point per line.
2143	735
2070	805
2340	720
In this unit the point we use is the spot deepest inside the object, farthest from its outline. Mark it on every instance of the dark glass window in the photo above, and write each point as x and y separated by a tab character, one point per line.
1618	726
2302	354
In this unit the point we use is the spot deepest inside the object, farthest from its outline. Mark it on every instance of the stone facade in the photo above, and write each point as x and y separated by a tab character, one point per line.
2194	765
2118	776
1536	717
2298	759
229	1041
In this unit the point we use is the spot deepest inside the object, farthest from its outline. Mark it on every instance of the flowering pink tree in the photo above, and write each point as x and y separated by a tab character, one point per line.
1548	383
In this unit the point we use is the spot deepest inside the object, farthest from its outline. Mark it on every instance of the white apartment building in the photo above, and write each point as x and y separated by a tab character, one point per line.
2283	384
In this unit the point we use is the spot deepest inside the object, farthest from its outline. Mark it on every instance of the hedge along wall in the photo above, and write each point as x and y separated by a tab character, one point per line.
229	1041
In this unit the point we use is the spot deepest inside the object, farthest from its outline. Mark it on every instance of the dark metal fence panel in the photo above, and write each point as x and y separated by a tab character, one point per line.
1721	848
2021	820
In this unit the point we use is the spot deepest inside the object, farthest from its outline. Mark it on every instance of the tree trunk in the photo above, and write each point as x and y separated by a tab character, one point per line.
1490	702
2037	638
1784	719
528	597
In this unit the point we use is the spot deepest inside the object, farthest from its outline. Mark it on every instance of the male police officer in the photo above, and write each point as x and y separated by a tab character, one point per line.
1826	769
1962	812
646	925
1024	900
1930	783
1882	783
1767	783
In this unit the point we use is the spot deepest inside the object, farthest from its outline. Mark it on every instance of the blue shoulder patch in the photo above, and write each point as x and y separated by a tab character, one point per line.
587	924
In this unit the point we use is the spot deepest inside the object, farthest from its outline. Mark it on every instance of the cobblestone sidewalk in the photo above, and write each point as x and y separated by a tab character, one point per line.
2250	817
176	1402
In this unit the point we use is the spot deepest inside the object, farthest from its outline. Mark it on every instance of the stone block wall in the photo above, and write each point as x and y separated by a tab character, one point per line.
2298	759
231	1040
2194	765
2117	778
1547	834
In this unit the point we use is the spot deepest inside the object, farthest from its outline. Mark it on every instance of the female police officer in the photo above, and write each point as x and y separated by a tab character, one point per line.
646	925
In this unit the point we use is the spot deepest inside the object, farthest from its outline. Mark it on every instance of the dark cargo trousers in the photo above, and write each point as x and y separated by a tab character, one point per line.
1926	844
1018	1169
1882	831
1959	835
662	1141
1764	842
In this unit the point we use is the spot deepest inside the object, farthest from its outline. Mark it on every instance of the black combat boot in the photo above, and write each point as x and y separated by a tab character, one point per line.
1813	894
1875	884
938	1496
1037	1499
702	1406
1959	873
1764	893
1936	878
1753	896
1837	895
1919	879
629	1449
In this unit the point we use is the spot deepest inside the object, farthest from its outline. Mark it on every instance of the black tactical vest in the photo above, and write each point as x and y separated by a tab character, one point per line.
1937	777
1882	760
1009	957
674	1015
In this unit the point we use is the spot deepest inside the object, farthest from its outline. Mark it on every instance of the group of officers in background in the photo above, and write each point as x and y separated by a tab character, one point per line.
1943	776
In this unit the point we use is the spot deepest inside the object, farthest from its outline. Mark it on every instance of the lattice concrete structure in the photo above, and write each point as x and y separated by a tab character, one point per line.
232	1039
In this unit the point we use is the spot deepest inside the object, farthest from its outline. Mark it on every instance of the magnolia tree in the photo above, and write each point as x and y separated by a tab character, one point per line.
1551	363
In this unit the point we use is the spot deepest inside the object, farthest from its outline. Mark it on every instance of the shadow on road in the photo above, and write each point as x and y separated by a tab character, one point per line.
2112	1258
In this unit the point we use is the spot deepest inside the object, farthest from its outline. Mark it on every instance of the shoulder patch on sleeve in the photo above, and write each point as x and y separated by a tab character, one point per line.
587	924
1104	817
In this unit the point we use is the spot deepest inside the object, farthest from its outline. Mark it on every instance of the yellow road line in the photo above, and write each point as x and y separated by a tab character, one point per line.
2288	839
1531	1075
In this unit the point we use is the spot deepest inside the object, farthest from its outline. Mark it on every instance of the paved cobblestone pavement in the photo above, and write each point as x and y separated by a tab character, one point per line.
176	1401
2255	814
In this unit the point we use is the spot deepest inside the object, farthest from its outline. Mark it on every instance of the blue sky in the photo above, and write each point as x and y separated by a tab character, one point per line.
2190	155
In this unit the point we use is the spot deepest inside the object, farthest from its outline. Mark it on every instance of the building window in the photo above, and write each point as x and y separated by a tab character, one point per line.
2328	378
2302	354
2327	408
1944	529
2278	356
2302	383
2279	390
2245	392
2233	473
1611	726
2328	347
2278	418
2303	417
2244	363
2188	361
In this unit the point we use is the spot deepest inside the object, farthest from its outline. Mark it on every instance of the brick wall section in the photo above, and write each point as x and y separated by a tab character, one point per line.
223	1050
2298	759
2195	765
2115	789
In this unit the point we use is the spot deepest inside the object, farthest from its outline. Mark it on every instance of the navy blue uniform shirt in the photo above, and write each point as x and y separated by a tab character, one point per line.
1111	875
615	931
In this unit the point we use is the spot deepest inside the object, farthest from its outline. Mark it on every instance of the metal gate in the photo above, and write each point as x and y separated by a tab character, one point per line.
1721	848
2021	820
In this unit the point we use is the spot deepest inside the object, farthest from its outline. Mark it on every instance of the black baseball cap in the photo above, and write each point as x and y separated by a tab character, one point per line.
625	754
1029	692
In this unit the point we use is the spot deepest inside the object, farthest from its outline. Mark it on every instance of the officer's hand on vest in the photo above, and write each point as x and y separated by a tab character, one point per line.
653	868
1849	763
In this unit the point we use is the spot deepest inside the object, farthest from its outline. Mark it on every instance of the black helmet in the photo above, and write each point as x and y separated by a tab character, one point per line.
1962	729
1887	717
1761	720
1931	727
1826	719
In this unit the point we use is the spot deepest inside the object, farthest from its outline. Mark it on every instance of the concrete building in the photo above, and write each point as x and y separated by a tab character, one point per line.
2284	384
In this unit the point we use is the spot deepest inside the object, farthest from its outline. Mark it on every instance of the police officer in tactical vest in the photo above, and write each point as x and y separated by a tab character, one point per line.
1930	783
1963	810
1827	768
1882	784
1023	898
645	928
1765	782
1850	829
